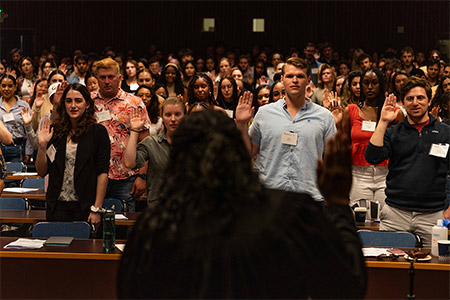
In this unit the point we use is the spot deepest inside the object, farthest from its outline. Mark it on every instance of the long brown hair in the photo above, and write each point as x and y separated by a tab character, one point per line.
63	126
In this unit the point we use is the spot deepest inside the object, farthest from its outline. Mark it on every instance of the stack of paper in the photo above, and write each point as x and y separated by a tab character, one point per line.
25	244
369	252
121	217
20	190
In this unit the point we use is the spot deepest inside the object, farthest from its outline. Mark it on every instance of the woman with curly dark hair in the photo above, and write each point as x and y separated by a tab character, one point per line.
219	233
201	90
75	152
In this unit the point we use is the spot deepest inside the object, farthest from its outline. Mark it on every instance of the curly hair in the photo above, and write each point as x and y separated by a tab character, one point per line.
209	172
63	126
191	94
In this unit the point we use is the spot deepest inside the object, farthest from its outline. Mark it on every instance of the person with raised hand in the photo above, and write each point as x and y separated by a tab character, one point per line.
74	151
417	149
289	135
219	233
359	121
154	149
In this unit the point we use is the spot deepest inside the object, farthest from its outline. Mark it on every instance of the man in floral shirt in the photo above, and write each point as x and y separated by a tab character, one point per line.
113	110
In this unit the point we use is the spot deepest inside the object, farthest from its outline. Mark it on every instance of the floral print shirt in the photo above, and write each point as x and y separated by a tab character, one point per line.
118	126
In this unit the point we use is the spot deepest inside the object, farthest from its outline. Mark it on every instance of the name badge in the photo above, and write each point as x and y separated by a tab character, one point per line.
314	70
8	117
289	138
229	113
103	116
439	150
51	152
368	126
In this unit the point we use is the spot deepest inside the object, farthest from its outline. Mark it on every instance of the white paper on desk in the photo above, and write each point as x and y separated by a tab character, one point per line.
25	174
121	217
25	244
20	190
120	247
373	252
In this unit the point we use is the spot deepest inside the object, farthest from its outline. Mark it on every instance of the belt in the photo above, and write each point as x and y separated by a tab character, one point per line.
19	141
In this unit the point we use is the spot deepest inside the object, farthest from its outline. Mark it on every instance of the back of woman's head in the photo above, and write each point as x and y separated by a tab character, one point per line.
209	167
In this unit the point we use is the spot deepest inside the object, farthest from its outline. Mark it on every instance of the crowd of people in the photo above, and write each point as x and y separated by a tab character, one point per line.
285	110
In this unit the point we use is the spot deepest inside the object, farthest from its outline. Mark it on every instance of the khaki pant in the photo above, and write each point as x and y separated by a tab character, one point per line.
420	223
368	184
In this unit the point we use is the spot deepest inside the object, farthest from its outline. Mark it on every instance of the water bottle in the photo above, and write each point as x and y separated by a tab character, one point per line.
438	232
109	230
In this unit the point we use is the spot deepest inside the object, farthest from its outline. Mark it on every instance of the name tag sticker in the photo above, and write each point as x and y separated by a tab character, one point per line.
229	113
8	117
103	116
368	126
51	152
314	70
439	150
289	138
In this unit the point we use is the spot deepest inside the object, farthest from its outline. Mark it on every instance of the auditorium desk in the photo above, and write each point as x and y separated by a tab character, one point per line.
34	216
390	279
83	270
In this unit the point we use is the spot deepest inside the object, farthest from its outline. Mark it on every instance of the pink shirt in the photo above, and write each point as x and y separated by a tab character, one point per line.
118	127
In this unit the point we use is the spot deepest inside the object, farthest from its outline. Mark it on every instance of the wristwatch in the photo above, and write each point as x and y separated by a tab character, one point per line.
96	209
143	176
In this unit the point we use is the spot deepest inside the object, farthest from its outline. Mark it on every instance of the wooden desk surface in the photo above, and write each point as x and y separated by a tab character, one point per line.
91	249
35	216
20	177
386	279
81	271
403	263
40	194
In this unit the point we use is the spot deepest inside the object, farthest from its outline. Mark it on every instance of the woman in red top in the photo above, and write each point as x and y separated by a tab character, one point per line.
360	120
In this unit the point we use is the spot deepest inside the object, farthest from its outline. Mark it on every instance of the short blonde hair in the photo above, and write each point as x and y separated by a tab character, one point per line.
107	63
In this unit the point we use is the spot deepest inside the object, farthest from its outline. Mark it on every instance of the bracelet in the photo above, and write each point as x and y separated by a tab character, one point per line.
134	130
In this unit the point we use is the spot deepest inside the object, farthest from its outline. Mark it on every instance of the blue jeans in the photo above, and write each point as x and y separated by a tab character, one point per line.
13	153
121	189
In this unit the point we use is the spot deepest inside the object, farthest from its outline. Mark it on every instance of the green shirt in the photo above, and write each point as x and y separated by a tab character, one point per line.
155	149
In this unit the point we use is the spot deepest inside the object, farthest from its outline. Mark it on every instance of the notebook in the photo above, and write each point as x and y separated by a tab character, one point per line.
59	241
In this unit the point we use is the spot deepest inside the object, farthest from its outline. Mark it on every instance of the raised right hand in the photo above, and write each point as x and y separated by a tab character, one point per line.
244	110
45	132
388	112
59	91
26	115
137	121
39	101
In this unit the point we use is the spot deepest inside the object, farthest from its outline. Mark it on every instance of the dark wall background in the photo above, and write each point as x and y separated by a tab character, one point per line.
92	25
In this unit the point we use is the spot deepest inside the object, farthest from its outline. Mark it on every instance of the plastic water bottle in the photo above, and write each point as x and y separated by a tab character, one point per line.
109	230
439	232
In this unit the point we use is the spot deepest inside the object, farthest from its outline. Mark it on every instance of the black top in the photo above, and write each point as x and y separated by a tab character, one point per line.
416	180
283	247
92	159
